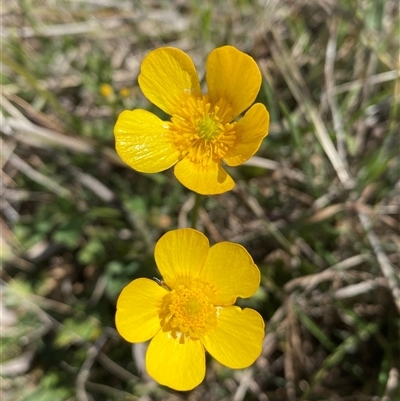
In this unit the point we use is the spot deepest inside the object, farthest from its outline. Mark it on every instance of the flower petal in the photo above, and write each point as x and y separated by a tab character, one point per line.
138	307
181	254
181	366
250	131
205	180
233	76
230	268
143	143
236	342
168	76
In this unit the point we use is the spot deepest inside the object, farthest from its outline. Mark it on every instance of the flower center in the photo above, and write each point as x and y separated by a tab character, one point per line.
202	133
187	311
207	128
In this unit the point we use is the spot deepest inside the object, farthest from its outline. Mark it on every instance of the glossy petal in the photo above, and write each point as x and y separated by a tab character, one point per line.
176	365
142	141
230	268
237	340
250	131
137	310
168	76
181	254
205	180
233	76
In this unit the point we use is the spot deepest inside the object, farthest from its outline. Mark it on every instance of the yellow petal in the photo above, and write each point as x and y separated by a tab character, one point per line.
137	310
232	271
250	131
181	366
205	180
233	76
181	254
142	141
236	342
168	76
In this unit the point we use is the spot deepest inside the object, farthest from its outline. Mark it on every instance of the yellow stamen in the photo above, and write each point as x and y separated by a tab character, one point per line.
187	311
202	133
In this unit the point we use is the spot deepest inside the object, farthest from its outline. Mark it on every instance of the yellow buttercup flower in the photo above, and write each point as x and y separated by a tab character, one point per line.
202	131
124	92
106	90
192	309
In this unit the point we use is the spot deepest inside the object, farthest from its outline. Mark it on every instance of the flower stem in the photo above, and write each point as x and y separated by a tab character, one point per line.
195	210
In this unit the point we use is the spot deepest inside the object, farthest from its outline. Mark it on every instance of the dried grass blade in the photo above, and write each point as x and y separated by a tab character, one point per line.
299	89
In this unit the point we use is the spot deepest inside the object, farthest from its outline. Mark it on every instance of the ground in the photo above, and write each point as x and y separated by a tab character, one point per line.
317	208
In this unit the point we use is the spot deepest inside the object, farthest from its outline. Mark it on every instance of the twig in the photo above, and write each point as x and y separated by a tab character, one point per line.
244	384
276	323
19	365
309	282
11	109
32	131
84	372
75	28
39	178
392	384
94	185
330	82
111	392
116	369
257	161
212	229
383	260
31	111
359	83
257	391
359	288
9	212
361	127
185	209
289	354
98	291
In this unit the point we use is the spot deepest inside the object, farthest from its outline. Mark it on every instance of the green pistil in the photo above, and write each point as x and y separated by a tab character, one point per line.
207	128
